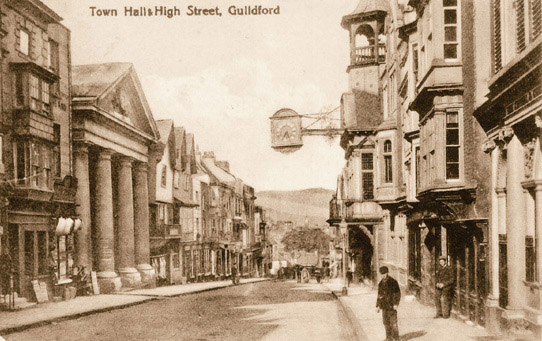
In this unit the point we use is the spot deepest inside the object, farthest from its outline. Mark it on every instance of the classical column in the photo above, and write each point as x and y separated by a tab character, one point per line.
491	148
124	207
515	228
103	219
83	241
141	224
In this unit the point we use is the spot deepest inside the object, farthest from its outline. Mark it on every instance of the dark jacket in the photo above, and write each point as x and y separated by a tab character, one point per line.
445	275
389	294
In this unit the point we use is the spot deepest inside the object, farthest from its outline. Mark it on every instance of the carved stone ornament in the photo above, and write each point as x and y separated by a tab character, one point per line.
488	146
506	134
528	151
538	121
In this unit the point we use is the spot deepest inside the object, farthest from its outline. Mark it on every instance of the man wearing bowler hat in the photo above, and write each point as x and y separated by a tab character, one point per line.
389	296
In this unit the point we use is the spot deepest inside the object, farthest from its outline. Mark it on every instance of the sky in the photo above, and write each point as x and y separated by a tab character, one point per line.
222	77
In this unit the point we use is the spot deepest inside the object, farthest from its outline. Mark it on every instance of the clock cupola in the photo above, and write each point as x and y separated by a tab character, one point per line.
361	106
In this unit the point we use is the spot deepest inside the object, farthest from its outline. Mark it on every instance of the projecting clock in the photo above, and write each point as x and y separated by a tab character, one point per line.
286	130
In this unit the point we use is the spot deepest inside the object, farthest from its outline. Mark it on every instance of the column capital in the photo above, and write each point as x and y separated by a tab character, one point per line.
488	146
105	154
125	161
139	166
505	134
81	147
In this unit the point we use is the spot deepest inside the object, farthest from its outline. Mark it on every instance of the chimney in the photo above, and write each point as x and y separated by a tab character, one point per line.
209	155
224	165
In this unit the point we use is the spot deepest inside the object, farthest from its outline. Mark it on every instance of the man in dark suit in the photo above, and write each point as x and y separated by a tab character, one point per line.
444	289
388	299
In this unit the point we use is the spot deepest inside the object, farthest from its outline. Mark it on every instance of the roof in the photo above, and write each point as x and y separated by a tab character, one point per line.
367	6
363	9
189	142
164	129
217	172
95	79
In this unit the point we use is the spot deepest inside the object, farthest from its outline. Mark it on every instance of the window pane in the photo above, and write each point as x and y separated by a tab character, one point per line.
450	51
452	154
367	161
452	171
24	42
450	33
449	3
387	147
367	183
452	136
450	16
452	119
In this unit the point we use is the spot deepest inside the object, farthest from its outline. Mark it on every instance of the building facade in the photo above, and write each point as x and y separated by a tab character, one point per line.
507	103
36	164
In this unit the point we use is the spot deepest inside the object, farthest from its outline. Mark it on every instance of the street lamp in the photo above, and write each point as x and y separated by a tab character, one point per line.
344	231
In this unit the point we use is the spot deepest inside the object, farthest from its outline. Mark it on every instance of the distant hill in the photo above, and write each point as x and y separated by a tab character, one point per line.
311	205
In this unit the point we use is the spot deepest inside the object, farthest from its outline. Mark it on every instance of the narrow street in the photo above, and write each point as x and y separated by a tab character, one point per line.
258	311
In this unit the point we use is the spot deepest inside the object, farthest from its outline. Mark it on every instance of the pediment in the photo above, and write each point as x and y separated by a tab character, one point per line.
125	100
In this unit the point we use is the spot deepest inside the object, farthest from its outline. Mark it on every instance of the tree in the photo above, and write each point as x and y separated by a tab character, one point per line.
306	239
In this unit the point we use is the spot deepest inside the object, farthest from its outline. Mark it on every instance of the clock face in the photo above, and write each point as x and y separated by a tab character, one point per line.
287	133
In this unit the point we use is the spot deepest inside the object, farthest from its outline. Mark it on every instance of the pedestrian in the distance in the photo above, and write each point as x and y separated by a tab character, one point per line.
444	289
388	299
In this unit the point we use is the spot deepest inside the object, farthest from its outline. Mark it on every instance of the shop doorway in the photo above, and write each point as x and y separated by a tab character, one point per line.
468	258
29	247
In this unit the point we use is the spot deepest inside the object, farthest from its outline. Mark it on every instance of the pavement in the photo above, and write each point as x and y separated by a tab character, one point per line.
415	319
47	313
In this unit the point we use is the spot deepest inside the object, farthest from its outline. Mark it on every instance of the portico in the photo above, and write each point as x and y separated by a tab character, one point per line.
113	130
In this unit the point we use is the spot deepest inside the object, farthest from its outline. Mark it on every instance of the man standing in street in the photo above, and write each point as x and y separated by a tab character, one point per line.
388	299
444	289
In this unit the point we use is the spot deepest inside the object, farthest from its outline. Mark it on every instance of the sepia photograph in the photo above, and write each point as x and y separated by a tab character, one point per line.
356	170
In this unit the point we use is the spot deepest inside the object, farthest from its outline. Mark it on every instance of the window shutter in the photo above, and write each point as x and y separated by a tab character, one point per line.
497	34
536	13
520	25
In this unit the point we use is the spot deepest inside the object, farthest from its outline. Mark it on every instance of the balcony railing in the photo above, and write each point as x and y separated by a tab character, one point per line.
369	54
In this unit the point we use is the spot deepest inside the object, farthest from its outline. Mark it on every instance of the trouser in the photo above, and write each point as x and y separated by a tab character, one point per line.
389	317
443	298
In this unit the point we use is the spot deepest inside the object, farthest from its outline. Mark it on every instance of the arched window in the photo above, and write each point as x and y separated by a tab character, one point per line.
388	166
